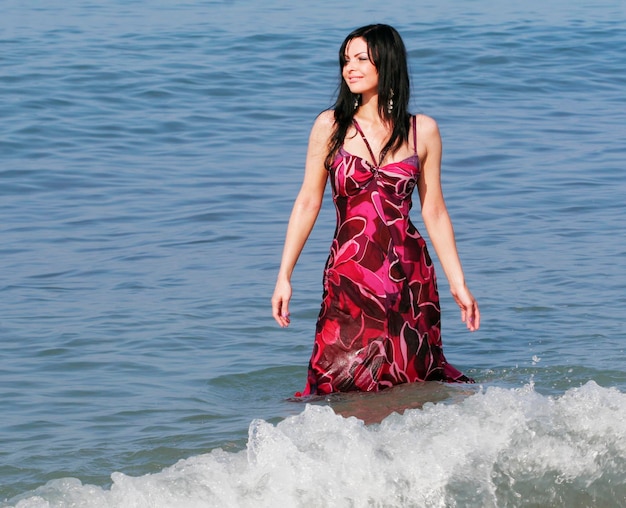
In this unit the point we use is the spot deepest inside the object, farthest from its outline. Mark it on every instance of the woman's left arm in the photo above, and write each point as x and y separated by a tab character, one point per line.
438	223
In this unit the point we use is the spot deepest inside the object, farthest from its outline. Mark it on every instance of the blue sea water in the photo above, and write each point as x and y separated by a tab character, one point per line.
149	156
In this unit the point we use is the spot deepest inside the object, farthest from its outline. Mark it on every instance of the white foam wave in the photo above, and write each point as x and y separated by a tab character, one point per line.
498	447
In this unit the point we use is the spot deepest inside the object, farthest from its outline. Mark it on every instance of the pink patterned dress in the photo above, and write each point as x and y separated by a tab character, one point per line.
379	323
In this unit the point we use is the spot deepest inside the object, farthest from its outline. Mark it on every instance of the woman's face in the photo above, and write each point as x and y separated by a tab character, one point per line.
359	73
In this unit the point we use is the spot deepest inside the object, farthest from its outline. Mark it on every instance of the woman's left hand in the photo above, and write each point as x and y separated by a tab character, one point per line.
470	314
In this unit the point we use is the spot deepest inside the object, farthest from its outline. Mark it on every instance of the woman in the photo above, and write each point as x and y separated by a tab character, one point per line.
379	324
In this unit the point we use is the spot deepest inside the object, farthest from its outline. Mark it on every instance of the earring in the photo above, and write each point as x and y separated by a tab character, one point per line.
390	102
356	102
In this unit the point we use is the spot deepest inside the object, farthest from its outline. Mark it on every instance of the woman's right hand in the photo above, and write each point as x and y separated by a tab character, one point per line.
280	303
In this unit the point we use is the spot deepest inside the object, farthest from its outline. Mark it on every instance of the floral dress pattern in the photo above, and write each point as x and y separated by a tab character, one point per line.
379	323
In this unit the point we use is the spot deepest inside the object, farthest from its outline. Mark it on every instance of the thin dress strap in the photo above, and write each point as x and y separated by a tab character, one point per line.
415	134
376	164
369	148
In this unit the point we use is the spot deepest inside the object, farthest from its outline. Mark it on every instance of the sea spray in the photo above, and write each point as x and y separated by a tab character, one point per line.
497	448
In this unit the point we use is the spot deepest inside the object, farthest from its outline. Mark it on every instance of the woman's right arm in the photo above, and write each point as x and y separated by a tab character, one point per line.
304	213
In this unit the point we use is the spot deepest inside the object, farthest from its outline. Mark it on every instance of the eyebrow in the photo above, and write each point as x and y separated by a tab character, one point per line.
358	54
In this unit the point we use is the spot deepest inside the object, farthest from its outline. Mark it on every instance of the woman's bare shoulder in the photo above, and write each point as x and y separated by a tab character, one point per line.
426	126
325	120
323	125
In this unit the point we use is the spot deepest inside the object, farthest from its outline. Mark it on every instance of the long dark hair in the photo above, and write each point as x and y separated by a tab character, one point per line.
388	54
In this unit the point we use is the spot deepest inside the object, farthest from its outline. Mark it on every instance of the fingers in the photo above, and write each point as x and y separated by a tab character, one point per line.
284	315
476	318
470	314
280	303
280	311
472	318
